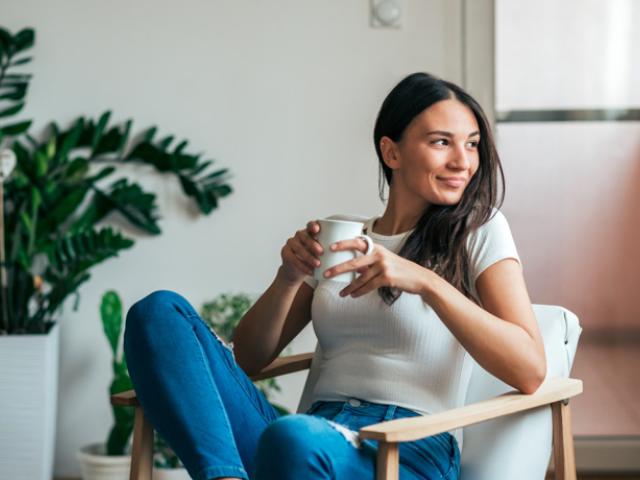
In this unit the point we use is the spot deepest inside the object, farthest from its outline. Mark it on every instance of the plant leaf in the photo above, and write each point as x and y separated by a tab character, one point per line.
24	39
20	61
14	92
165	142
42	163
60	211
16	128
76	170
122	428
97	133
148	153
6	43
75	261
135	204
70	139
124	138
109	143
149	134
13	78
111	315
7	112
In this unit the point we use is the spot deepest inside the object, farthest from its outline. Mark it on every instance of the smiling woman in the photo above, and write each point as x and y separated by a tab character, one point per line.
440	286
431	138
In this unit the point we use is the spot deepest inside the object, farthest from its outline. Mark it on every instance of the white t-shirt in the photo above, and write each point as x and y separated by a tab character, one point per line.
401	354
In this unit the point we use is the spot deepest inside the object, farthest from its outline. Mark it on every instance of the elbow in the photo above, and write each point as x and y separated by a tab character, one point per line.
530	387
533	381
245	363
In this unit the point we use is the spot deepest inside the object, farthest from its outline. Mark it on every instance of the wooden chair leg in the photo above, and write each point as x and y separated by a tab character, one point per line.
387	462
142	447
563	452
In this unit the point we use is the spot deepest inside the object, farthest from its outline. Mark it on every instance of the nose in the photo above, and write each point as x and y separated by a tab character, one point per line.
460	158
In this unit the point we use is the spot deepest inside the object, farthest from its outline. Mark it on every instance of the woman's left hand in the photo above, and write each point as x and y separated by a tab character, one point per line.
381	268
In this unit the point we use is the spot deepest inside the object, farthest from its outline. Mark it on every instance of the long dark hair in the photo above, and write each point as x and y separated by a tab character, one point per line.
438	241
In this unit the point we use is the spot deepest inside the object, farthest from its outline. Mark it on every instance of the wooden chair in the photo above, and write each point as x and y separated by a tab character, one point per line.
555	392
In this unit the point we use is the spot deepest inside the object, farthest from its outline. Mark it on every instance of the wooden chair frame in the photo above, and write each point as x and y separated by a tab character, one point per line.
554	392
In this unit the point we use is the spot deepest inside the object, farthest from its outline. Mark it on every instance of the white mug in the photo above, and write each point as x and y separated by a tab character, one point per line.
332	231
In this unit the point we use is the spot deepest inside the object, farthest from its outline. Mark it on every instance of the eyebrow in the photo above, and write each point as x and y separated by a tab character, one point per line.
449	134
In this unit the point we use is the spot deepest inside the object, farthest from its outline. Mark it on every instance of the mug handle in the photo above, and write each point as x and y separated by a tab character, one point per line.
369	241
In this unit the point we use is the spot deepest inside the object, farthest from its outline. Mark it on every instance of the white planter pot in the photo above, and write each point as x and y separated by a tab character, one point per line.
95	465
170	474
28	401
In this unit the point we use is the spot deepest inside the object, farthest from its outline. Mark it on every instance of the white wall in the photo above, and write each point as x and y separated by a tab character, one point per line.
284	93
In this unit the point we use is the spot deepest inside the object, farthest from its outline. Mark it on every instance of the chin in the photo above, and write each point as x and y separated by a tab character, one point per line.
447	200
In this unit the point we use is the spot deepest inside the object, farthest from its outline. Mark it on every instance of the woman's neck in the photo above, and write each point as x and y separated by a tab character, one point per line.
396	220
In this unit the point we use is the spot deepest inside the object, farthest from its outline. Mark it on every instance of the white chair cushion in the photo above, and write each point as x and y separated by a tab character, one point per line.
519	445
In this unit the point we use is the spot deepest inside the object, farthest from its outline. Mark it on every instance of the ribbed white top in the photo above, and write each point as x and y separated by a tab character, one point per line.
400	354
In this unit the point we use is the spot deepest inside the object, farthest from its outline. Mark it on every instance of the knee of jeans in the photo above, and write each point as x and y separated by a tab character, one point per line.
144	316
290	436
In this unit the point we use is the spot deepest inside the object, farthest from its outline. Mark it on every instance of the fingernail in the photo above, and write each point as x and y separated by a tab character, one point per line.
327	273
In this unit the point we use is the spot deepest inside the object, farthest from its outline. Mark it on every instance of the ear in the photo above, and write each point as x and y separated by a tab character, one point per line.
390	153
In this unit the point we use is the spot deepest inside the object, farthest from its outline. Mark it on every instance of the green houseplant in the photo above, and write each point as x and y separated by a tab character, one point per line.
59	190
64	185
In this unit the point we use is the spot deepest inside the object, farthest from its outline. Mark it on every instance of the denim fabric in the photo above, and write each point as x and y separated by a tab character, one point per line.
220	425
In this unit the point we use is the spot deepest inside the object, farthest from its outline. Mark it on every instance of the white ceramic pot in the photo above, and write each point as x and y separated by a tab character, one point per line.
95	465
170	474
28	397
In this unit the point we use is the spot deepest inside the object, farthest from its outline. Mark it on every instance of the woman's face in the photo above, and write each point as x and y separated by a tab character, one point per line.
437	154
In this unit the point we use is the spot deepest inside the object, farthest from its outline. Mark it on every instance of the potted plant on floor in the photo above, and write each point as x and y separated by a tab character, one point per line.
57	190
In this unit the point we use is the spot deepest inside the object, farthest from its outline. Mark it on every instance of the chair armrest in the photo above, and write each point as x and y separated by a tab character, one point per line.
284	365
414	428
280	366
127	398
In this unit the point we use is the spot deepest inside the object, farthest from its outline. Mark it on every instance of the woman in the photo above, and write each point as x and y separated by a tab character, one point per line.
442	284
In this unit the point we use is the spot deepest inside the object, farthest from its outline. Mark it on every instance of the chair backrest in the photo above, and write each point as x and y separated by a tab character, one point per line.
519	445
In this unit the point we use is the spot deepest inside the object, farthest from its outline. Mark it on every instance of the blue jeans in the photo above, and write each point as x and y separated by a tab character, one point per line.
220	425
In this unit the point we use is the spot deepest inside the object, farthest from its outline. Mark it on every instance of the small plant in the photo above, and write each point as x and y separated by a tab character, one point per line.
223	315
111	316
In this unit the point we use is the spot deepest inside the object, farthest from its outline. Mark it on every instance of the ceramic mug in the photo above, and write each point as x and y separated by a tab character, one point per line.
332	231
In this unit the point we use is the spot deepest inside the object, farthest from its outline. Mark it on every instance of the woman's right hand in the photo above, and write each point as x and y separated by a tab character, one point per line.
300	255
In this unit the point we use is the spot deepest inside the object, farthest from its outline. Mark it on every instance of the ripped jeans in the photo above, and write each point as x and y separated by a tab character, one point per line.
220	425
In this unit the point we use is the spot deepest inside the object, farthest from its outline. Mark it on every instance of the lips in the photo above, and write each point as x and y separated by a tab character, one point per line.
452	181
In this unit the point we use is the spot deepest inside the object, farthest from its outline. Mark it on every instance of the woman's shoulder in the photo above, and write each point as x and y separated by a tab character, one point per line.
495	219
490	243
495	227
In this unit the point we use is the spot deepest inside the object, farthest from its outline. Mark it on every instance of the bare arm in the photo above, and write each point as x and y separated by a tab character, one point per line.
502	335
282	311
284	308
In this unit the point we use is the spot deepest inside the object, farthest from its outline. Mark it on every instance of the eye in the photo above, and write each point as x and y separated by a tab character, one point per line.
441	141
473	143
